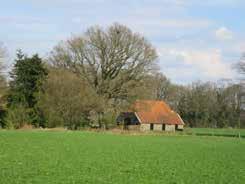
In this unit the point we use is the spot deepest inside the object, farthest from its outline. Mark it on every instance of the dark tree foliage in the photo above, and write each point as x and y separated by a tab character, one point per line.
26	80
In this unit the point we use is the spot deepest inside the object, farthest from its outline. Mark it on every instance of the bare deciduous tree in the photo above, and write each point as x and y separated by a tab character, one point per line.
2	77
2	52
112	60
241	65
2	56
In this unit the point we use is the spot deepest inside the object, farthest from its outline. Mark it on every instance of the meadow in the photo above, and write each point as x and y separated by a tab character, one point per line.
40	157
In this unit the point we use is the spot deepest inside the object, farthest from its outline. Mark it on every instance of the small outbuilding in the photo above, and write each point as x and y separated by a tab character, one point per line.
150	115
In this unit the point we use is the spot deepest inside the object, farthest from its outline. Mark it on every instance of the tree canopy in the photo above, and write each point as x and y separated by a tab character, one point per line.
112	60
27	76
26	79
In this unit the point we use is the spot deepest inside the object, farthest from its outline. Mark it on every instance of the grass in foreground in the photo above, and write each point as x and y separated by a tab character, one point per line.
84	157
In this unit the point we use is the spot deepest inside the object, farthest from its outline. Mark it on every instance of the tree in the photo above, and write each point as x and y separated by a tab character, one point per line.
210	105
160	85
2	52
2	77
66	100
241	65
112	61
227	110
26	79
163	89
3	86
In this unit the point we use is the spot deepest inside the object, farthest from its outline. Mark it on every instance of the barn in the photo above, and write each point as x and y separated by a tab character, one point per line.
150	115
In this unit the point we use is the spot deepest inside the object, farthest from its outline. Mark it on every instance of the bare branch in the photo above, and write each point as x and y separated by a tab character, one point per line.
109	59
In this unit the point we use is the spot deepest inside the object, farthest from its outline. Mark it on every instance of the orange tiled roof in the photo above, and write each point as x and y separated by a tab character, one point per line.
150	111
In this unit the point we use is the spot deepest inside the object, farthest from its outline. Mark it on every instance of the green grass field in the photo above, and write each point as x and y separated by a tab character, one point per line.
85	157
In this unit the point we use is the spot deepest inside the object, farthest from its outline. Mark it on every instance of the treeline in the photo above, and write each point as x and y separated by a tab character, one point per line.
210	105
87	80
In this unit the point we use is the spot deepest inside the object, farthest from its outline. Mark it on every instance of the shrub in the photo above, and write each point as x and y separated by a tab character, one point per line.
17	117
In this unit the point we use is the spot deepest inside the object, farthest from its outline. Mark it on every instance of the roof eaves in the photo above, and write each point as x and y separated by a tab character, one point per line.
138	117
180	119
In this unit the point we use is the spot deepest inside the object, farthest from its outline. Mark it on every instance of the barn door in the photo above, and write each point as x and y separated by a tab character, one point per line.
163	126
